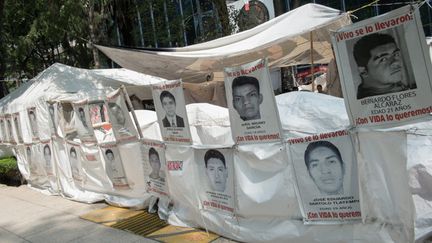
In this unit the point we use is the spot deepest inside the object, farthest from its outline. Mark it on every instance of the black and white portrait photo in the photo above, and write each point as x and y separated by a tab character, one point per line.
169	101
325	166
114	168
327	177
33	122
171	118
251	103
216	179
381	66
216	170
247	97
386	70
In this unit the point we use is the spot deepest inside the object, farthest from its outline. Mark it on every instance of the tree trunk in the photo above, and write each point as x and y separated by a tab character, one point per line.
93	35
222	11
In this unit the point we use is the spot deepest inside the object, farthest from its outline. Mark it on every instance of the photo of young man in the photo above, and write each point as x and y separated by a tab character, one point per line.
381	66
216	170
82	117
118	120
33	123
155	164
47	158
325	167
171	119
247	97
115	169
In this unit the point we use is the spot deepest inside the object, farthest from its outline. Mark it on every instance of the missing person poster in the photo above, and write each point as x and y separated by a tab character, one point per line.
82	122
10	132
32	155
325	167
170	107
114	166
32	116
2	130
215	168
251	103
67	121
386	68
48	157
17	126
154	164
100	121
74	153
121	122
53	117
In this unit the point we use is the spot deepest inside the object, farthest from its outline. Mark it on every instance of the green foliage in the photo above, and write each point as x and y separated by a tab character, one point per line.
7	165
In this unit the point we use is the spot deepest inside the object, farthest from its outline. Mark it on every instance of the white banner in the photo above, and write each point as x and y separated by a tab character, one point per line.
2	130
74	153
67	121
386	69
100	121
327	177
154	165
48	157
121	123
216	171
10	132
252	107
32	116
171	111
17	125
82	122
114	166
53	117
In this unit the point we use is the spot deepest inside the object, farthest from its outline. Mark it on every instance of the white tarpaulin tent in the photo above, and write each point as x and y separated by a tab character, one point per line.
266	203
285	40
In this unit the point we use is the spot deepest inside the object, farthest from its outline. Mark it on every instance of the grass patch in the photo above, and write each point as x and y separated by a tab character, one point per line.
8	164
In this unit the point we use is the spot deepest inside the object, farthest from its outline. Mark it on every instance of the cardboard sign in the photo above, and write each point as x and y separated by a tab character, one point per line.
251	103
385	69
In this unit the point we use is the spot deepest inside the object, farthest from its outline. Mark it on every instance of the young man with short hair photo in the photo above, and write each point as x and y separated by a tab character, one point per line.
247	97
381	66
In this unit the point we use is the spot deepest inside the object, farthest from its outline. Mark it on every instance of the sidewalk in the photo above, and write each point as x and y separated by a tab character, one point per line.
30	216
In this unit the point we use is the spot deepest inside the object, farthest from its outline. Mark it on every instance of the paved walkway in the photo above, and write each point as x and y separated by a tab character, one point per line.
30	216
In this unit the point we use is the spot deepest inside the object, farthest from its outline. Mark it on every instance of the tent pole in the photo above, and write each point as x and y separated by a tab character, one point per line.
312	61
129	103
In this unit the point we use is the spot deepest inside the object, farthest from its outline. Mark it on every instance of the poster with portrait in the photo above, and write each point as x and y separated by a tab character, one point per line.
386	69
47	157
100	121
121	122
67	120
114	166
74	154
154	165
216	190
32	156
17	126
251	103
9	129
170	107
83	124
32	116
53	117
2	130
326	172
